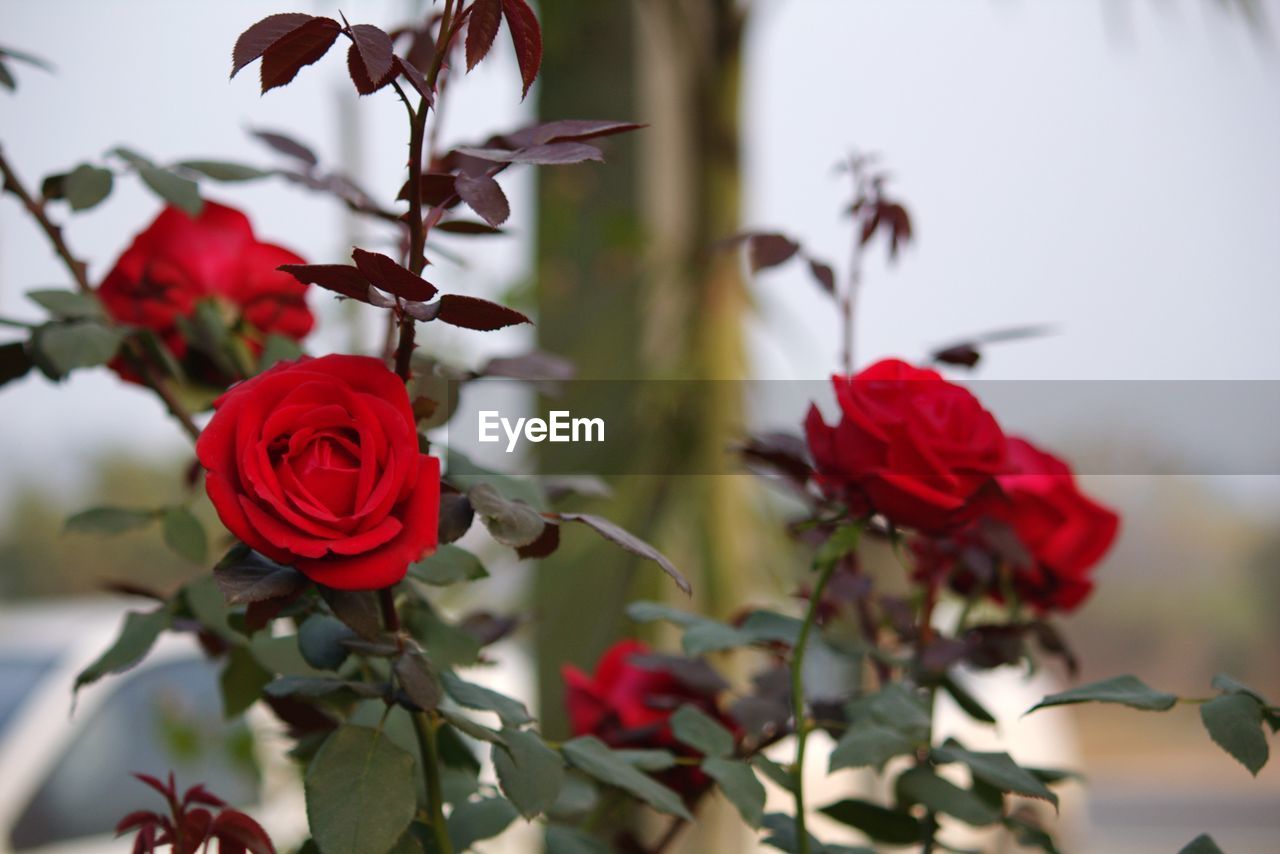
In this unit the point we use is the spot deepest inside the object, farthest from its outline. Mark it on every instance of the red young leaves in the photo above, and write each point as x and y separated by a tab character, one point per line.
370	59
479	314
386	274
526	35
256	40
304	45
484	196
482	28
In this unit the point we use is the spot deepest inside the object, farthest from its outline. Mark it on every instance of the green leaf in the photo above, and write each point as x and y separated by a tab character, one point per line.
68	305
869	745
1124	690
360	792
966	701
184	534
220	170
278	348
314	687
570	840
530	773
770	627
510	522
877	822
774	772
135	640
922	786
474	821
590	755
320	640
182	193
1228	684
242	682
1202	844
86	186
1234	722
478	731
896	707
701	635
108	520
417	679
63	347
694	727
738	783
646	759
448	565
996	769
1030	835
469	695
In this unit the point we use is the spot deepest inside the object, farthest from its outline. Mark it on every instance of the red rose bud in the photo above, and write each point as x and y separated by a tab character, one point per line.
180	260
630	707
1064	531
315	464
909	445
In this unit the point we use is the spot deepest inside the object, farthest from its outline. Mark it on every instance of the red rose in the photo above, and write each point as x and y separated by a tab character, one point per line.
1064	531
909	445
180	260
315	464
629	707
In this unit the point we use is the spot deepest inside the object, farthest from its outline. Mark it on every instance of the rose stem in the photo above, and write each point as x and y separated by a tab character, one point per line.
79	273
425	727
797	702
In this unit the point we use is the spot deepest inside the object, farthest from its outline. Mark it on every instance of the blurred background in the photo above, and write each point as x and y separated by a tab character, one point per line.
1111	168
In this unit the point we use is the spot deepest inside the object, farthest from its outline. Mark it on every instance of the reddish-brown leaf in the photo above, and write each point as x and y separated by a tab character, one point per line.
769	250
287	145
468	227
546	154
628	541
375	49
415	78
234	826
482	27
437	188
340	278
526	35
475	313
484	196
567	130
824	275
255	41
385	273
290	54
135	820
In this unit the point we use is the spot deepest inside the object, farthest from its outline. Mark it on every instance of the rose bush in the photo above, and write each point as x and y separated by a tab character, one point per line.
909	445
178	261
315	464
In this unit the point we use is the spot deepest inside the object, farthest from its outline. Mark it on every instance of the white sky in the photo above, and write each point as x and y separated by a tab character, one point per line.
1110	167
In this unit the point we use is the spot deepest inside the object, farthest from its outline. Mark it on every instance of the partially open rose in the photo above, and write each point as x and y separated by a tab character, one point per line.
180	260
909	445
315	464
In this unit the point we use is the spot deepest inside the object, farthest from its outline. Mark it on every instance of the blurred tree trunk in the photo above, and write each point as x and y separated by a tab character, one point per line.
630	289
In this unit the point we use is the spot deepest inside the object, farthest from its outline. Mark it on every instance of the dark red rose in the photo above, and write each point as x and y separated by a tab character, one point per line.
315	464
1043	531
909	445
1064	531
180	260
629	707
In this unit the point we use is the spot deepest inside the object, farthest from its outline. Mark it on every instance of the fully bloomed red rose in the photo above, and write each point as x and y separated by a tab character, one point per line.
180	260
909	445
315	464
1064	531
628	706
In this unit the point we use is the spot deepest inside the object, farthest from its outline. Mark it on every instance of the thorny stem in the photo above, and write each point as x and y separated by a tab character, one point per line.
425	726
79	272
798	705
417	226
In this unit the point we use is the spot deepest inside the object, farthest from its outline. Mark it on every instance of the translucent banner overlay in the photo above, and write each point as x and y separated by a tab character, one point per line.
616	427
